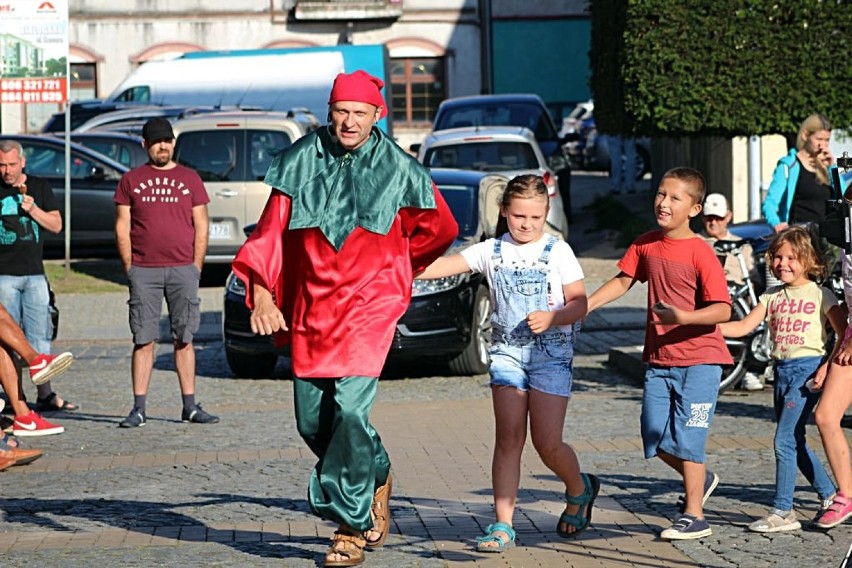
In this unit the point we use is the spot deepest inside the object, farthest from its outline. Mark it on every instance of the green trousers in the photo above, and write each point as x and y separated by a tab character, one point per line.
332	416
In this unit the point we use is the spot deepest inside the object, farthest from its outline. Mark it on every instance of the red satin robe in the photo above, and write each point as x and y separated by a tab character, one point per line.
341	307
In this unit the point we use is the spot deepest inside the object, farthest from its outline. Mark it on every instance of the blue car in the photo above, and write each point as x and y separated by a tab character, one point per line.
448	320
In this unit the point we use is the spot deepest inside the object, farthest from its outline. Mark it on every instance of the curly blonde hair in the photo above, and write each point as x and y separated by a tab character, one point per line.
802	242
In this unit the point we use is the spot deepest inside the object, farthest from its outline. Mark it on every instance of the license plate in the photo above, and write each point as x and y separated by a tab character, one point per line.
220	231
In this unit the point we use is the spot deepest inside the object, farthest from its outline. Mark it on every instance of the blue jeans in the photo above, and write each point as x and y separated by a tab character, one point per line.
793	406
27	299
622	163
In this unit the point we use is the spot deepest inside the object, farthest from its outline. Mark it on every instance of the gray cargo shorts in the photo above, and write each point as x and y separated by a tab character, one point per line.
148	287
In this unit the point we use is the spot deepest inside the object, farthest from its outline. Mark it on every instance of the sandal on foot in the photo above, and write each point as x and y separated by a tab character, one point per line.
586	500
492	536
346	543
48	404
380	511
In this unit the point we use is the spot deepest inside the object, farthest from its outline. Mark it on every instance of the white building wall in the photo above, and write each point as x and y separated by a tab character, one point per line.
117	32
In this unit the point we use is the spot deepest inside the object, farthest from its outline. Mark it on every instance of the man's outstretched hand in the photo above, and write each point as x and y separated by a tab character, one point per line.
266	318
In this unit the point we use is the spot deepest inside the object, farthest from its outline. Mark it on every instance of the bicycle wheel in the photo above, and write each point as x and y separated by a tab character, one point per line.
738	347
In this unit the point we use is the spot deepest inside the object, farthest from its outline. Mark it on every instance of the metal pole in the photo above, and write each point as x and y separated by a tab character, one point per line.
66	223
487	86
754	170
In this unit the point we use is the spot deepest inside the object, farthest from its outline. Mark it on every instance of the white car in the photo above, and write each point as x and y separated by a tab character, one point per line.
506	150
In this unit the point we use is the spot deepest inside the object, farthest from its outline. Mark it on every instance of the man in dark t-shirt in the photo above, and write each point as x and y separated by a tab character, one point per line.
27	209
161	232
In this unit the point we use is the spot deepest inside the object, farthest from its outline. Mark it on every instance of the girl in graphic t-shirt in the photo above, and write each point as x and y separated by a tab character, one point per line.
796	312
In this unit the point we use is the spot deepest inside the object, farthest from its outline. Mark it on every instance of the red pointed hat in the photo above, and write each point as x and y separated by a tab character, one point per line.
359	86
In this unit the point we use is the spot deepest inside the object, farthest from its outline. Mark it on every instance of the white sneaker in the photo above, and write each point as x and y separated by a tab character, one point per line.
774	522
751	382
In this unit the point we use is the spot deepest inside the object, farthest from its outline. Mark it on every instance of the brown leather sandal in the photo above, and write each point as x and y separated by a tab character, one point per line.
347	544
380	511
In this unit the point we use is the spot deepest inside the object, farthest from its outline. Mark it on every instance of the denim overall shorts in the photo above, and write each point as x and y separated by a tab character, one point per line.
520	358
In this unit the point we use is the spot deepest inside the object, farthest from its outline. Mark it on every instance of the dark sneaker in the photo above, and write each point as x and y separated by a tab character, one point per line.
135	419
197	415
687	527
711	480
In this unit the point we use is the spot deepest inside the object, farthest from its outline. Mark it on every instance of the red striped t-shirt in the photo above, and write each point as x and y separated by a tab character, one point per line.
683	273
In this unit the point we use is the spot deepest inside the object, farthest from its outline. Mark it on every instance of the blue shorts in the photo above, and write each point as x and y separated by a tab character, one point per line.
678	404
544	363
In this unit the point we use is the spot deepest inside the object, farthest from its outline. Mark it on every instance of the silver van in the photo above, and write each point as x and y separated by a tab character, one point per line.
231	151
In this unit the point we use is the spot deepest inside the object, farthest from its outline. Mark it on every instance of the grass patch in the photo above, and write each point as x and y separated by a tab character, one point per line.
86	276
612	214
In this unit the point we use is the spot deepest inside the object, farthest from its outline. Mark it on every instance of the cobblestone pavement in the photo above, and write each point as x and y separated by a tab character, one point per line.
233	494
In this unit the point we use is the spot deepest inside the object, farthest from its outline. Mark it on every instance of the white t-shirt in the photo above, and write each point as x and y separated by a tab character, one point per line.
564	268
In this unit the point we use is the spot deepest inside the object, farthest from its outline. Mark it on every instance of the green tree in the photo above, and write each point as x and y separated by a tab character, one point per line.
56	67
719	67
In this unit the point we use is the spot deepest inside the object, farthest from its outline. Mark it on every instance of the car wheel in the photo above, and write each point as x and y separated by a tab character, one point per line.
643	162
245	366
474	359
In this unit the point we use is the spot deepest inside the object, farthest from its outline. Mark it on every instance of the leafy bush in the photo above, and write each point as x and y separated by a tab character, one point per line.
719	67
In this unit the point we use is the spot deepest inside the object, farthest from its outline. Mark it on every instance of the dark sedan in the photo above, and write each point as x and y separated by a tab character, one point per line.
93	181
448	320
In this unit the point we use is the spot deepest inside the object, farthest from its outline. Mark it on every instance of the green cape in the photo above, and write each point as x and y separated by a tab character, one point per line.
336	191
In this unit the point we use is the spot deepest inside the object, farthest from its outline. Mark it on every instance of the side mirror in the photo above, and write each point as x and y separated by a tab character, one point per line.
97	173
415	148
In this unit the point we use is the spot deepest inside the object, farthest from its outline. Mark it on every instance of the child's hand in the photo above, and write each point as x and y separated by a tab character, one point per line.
819	377
540	322
668	315
844	356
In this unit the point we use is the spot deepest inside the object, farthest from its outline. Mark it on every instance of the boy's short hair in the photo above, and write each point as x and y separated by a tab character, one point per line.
694	179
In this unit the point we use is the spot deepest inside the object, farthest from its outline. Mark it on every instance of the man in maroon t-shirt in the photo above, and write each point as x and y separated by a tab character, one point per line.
161	231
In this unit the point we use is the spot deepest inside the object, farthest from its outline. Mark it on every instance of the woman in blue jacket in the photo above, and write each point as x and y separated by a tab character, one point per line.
800	184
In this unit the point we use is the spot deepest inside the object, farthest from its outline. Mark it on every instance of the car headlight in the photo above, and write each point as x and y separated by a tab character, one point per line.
437	285
235	286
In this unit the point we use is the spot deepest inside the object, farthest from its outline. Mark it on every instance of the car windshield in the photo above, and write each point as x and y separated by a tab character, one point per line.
217	154
491	156
507	114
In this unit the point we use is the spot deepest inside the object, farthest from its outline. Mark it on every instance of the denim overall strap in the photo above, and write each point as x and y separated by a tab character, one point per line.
495	255
518	291
545	253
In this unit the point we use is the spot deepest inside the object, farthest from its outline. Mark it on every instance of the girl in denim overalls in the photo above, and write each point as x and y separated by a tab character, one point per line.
538	293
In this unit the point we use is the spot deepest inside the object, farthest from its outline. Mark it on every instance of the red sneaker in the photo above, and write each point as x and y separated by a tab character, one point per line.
34	425
45	367
839	510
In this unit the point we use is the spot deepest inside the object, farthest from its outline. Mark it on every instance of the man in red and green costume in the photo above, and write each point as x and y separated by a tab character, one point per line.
350	221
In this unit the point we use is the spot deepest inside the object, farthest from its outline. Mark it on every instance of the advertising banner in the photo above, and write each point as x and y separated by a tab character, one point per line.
33	51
